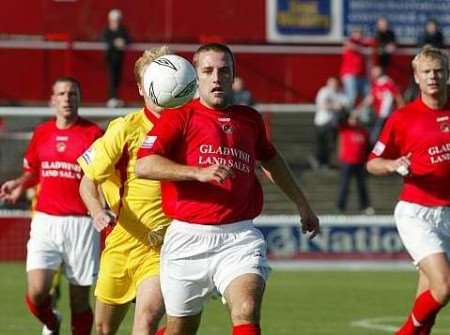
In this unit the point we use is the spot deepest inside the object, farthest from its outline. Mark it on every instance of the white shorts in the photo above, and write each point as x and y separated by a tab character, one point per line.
198	259
423	230
70	241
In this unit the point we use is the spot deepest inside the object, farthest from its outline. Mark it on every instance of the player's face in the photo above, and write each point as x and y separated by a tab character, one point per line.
431	76
215	78
65	100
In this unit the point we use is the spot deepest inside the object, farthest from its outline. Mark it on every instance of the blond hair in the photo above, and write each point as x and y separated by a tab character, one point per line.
430	53
147	57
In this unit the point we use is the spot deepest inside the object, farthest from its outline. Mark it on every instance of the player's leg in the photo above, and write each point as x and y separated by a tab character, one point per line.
420	230
244	298
182	325
81	262
241	273
149	308
428	303
38	298
81	313
43	259
108	317
423	285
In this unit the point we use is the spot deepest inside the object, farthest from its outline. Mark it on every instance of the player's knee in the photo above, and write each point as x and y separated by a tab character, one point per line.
441	289
38	297
247	311
103	328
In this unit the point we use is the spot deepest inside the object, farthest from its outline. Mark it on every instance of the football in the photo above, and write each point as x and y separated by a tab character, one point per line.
170	81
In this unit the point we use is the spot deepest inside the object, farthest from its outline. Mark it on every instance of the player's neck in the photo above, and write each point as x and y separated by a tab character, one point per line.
63	123
434	102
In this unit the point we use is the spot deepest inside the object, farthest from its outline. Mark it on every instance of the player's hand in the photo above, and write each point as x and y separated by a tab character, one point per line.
309	223
103	219
10	191
401	165
216	172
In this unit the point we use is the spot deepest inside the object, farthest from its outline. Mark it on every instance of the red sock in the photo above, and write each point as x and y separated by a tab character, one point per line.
426	329
43	312
247	329
82	322
160	331
424	309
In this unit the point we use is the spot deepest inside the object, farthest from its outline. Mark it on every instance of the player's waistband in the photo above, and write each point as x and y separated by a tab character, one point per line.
203	228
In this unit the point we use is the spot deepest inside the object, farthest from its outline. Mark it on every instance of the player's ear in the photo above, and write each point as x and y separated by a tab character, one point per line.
416	80
141	90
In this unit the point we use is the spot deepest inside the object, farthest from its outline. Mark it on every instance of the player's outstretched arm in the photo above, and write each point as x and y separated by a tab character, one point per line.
12	189
93	200
283	177
161	168
382	167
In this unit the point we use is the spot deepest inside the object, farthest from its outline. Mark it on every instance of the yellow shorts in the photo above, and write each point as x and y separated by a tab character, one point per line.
124	264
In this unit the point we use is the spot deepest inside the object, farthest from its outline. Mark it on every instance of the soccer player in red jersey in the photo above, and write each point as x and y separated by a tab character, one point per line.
206	153
61	230
416	143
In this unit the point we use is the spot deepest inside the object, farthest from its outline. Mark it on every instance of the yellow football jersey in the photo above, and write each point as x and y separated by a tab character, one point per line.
110	162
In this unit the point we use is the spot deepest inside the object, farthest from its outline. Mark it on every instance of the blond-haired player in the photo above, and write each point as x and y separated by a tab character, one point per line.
415	142
129	267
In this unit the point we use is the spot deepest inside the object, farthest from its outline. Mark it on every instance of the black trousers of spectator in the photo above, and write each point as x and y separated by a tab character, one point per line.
325	143
114	64
347	172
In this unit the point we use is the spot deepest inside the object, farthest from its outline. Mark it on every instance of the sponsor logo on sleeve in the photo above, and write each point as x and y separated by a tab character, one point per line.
378	149
88	155
149	141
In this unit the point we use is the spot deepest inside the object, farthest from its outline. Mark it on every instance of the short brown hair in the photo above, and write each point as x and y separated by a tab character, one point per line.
214	47
67	79
147	57
430	53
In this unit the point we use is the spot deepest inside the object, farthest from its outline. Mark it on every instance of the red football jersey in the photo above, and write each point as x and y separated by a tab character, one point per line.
354	60
425	133
52	155
353	144
196	135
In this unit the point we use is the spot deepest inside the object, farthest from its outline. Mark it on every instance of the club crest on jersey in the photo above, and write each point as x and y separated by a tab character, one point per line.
148	142
445	127
227	128
61	146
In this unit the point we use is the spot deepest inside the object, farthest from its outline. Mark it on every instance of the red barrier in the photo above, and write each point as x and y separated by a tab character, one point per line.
14	233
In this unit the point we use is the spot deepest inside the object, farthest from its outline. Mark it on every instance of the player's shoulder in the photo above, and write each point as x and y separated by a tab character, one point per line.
245	111
89	126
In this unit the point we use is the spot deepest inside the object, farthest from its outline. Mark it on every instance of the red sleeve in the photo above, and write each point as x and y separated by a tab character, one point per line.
264	148
31	159
164	136
387	145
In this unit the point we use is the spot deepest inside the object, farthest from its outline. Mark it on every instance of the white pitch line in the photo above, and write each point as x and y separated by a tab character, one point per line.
380	324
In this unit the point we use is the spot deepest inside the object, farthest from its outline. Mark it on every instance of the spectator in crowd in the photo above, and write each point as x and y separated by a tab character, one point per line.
384	96
385	42
353	66
330	104
352	155
432	35
116	37
415	144
206	153
241	95
62	233
129	268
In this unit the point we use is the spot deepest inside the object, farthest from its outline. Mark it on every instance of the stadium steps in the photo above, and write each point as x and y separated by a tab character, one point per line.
293	134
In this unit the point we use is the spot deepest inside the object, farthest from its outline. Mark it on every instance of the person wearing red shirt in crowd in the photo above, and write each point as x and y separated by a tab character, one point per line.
353	66
384	97
206	153
415	143
61	230
352	155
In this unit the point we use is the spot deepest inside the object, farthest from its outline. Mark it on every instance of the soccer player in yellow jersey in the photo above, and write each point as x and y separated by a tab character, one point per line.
129	266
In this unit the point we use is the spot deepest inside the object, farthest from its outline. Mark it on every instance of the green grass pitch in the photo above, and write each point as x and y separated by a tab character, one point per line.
296	302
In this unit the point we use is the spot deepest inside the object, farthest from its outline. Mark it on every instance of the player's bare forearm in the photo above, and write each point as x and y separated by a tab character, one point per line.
383	167
12	189
91	196
157	167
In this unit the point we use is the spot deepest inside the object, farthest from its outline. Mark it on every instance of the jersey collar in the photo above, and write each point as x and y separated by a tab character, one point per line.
150	116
